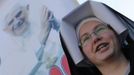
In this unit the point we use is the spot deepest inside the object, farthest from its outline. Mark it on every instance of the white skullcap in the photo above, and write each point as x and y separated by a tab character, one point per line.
83	22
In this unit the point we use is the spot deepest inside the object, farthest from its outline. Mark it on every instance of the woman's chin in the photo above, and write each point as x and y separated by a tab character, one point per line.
105	55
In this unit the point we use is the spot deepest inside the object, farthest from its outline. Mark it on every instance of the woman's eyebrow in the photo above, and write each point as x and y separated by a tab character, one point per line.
98	25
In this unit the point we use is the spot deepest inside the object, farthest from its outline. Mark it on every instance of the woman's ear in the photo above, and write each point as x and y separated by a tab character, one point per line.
80	47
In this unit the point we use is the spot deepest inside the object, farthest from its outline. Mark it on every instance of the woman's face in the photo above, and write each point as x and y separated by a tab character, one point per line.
98	41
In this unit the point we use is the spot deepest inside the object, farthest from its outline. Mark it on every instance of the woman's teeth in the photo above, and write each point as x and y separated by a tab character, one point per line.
100	46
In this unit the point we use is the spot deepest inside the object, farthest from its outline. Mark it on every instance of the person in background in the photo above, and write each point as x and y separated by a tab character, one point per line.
102	47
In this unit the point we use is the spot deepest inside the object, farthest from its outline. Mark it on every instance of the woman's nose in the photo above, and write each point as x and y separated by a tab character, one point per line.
96	38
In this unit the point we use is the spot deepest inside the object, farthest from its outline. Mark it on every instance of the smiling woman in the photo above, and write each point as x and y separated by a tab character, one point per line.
102	47
99	43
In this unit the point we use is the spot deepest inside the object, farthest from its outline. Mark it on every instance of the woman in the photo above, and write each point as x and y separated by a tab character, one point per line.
101	46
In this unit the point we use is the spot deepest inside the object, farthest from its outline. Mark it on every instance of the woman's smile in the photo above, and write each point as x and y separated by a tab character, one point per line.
102	47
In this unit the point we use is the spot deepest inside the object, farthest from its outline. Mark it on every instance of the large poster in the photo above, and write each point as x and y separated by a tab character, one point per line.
51	59
29	40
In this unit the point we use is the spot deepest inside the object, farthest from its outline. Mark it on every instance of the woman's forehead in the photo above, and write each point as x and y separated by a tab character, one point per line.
90	25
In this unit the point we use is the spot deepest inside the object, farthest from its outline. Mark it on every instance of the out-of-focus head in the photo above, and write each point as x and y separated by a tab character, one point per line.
17	21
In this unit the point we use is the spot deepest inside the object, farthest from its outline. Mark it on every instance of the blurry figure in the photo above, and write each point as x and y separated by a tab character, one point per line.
17	21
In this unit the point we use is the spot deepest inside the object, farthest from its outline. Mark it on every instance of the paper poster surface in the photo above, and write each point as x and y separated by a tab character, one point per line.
30	43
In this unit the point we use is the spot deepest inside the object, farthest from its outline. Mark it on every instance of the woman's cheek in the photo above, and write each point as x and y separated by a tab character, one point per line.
88	51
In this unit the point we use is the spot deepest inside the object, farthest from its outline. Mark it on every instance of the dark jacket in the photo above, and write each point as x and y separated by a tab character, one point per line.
129	53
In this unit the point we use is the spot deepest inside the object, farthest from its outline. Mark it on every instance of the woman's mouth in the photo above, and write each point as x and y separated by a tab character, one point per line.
102	47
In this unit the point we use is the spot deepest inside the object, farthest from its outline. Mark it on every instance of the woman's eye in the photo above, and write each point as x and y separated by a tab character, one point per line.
99	30
85	39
